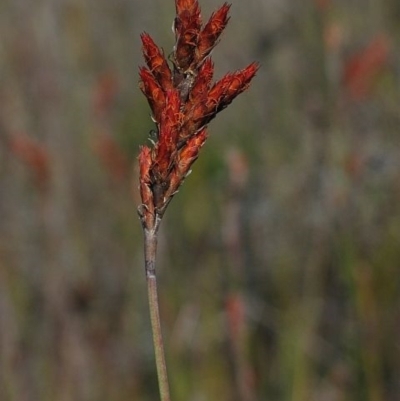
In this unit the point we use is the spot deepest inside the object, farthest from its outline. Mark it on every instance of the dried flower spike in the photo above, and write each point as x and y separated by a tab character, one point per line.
183	101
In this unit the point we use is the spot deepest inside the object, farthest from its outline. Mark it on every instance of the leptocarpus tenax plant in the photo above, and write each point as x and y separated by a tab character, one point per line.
183	100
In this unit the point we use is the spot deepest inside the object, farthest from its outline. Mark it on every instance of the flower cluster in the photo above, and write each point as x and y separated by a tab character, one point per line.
183	100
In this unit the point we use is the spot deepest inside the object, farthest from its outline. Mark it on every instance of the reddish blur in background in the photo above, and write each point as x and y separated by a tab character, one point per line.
279	259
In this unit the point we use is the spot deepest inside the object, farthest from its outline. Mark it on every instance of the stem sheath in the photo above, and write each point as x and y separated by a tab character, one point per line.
150	249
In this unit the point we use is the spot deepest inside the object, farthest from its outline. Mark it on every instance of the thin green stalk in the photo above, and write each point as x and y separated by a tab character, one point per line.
150	249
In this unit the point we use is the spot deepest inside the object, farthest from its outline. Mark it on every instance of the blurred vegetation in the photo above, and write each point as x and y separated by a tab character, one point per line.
279	259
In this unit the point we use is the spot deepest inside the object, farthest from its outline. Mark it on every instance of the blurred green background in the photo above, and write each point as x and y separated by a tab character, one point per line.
279	259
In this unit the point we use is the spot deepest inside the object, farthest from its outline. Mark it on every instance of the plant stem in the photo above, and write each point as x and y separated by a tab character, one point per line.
150	249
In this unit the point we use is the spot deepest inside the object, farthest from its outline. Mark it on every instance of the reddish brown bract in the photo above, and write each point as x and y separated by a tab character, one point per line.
183	101
209	36
156	62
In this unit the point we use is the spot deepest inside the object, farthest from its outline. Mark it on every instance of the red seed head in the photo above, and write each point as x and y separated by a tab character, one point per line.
208	37
147	211
168	135
231	85
183	102
153	92
187	26
202	82
190	6
190	152
156	62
